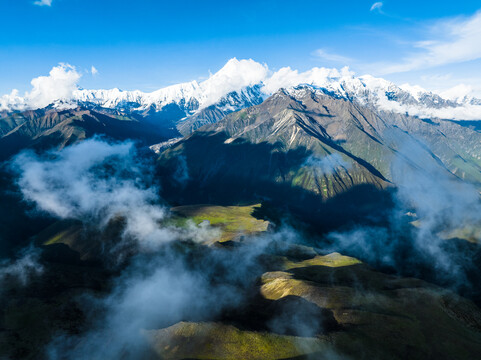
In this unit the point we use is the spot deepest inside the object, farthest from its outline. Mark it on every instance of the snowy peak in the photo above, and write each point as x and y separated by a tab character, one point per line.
243	83
383	95
115	98
235	77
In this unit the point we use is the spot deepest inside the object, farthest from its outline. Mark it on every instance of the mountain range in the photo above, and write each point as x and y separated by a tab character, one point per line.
244	83
331	134
268	177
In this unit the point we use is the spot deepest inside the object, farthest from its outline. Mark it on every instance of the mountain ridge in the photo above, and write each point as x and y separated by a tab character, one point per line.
243	83
310	149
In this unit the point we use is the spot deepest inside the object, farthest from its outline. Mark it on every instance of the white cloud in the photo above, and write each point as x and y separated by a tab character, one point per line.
94	70
235	75
12	101
58	85
96	182
377	6
344	80
286	77
61	84
462	112
437	78
457	92
23	268
43	2
323	54
326	165
452	41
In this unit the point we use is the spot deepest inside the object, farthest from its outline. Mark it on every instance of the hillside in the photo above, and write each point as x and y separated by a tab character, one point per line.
51	128
325	156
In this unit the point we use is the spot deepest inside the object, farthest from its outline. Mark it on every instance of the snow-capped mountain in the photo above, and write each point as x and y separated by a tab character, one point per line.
240	84
234	86
378	93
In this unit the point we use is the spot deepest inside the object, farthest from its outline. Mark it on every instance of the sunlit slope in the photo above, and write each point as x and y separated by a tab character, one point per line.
218	341
327	158
232	221
322	144
361	314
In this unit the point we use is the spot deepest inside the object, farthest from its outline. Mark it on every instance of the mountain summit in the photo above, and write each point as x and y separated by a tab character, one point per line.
243	83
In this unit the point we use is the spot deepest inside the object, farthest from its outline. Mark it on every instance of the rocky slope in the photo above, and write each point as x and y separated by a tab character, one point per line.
244	83
52	128
241	83
304	145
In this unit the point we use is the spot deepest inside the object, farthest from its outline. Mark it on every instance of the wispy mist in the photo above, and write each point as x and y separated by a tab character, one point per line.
160	289
328	164
98	183
165	282
432	208
23	268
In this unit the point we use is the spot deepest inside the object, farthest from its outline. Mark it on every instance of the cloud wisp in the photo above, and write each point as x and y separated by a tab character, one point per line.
326	165
159	290
43	2
332	57
163	283
452	41
377	6
22	268
100	184
432	208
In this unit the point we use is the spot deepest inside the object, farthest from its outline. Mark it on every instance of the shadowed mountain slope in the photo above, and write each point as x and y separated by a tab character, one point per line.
50	128
327	144
324	155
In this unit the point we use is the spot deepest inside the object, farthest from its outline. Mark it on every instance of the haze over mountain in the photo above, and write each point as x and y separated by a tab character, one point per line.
207	219
265	180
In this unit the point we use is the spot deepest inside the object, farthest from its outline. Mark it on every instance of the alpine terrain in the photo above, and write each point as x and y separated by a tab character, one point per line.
256	214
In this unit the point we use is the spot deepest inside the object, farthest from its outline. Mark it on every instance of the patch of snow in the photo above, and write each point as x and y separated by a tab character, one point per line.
158	148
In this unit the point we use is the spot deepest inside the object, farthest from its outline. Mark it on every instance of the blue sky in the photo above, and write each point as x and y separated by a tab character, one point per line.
148	44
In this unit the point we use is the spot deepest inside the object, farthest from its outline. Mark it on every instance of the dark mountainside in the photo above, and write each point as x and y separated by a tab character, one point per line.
308	226
50	128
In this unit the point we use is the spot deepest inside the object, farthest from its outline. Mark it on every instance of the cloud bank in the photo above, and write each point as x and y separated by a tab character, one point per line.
165	281
60	88
58	85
